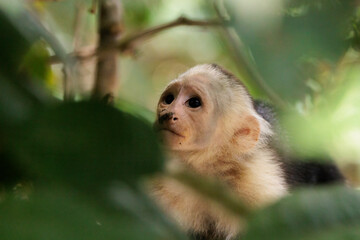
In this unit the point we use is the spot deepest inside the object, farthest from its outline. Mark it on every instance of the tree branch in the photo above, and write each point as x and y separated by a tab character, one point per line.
245	68
110	29
128	41
181	21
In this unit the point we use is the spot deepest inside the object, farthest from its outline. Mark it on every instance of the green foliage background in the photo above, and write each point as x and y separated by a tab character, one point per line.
75	170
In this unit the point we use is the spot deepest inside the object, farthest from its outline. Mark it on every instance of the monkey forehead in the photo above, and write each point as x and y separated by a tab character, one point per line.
192	87
216	76
199	81
202	82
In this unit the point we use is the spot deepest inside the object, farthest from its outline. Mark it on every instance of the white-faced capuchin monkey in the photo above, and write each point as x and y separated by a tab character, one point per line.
209	124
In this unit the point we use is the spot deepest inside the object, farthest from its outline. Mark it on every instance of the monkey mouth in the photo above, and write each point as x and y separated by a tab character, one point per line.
173	132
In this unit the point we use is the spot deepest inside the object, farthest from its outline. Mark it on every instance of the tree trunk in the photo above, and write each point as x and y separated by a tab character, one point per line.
110	29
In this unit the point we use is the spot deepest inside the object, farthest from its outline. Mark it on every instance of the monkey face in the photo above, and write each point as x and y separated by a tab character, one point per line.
186	116
206	109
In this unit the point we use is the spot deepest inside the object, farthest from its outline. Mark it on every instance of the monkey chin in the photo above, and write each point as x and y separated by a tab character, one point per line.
172	140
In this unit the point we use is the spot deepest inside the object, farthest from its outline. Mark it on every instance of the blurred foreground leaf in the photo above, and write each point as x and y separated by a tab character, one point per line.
15	103
316	214
14	46
87	159
214	190
58	214
141	206
87	145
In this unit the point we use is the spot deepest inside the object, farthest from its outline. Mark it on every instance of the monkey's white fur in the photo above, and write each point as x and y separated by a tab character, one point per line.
234	152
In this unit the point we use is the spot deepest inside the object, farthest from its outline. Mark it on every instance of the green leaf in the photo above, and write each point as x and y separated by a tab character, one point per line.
58	213
10	172
88	145
215	191
35	62
315	214
139	204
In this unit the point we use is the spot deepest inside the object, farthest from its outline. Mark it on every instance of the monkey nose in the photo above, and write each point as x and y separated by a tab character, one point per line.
168	117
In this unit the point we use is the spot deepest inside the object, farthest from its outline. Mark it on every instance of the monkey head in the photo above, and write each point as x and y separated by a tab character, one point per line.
205	108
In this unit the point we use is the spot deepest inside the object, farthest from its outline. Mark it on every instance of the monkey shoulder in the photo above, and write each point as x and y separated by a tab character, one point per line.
297	172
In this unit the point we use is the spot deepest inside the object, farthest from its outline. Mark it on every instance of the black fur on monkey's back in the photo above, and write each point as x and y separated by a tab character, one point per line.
311	172
298	172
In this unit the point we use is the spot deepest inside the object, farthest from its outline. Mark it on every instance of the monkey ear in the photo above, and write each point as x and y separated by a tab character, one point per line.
246	137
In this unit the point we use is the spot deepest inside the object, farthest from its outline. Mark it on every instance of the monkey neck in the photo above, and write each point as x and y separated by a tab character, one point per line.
202	161
256	176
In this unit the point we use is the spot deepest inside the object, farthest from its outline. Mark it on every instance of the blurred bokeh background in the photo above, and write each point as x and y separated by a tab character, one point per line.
301	56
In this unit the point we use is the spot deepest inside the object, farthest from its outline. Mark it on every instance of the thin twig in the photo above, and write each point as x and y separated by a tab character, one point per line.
248	70
245	68
181	21
79	55
125	42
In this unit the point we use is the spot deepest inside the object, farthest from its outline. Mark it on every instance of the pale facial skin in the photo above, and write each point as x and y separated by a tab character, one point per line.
186	114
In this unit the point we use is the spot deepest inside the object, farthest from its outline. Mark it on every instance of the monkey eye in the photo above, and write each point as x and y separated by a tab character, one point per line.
169	98
194	102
